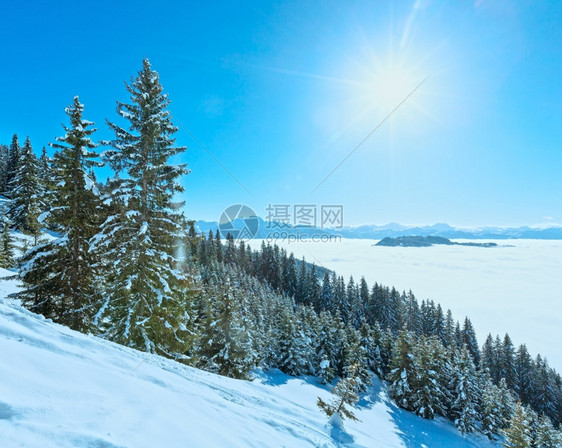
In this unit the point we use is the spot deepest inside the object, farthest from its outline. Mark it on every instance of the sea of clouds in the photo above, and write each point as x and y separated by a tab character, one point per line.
515	287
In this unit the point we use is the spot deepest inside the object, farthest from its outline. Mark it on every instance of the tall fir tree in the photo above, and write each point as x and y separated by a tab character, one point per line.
412	317
6	246
489	358
144	304
226	341
545	435
292	349
326	293
26	193
518	434
491	411
465	391
12	165
430	371
449	330
46	179
469	339
58	277
523	374
507	362
4	175
402	376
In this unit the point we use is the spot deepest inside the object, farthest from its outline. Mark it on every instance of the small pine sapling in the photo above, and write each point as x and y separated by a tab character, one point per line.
346	392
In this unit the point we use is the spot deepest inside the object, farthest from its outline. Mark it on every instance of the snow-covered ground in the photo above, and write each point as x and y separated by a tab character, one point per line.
59	388
515	287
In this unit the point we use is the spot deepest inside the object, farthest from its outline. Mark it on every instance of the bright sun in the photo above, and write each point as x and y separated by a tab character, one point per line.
390	86
383	86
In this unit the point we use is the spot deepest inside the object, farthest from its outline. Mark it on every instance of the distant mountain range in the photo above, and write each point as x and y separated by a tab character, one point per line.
394	230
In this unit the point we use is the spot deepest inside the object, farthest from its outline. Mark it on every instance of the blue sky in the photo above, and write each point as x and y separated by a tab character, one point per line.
282	92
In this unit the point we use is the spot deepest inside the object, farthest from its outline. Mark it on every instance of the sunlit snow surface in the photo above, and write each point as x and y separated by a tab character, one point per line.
62	389
515	287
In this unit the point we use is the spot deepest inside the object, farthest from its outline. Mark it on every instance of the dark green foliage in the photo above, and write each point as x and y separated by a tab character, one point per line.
518	434
431	370
26	192
4	174
47	179
465	392
523	374
58	276
11	166
469	339
226	340
6	247
142	291
293	351
492	415
402	375
545	435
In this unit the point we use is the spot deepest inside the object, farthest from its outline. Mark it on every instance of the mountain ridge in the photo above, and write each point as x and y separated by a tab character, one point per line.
276	230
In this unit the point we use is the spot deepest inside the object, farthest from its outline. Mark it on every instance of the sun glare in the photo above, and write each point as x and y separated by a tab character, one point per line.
384	86
390	87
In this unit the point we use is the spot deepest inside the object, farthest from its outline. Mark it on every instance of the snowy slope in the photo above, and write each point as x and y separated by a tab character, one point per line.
59	388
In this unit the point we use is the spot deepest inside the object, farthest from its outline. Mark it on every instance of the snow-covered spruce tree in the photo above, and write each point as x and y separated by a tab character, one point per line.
326	341
46	179
12	163
45	167
427	312
6	246
546	389
369	345
375	349
60	272
293	352
465	392
524	373
469	339
326	293
26	192
355	354
545	435
4	177
491	413
507	362
144	292
411	314
517	435
346	392
506	403
489	359
402	376
347	307
310	328
226	343
431	370
496	406
449	340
